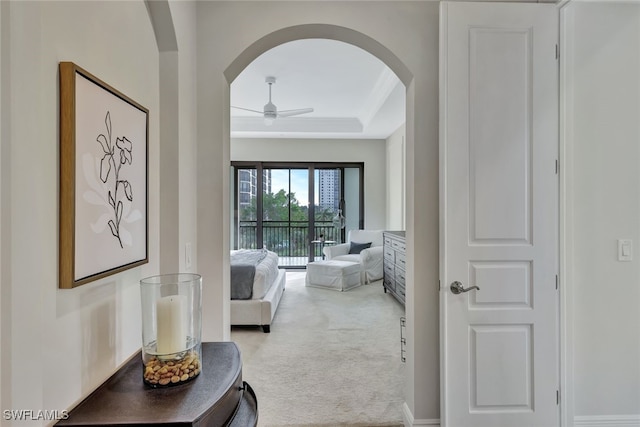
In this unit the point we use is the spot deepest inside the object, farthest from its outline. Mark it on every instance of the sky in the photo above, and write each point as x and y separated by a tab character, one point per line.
299	183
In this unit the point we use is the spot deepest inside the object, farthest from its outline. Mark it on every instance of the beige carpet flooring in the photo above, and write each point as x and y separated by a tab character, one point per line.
332	358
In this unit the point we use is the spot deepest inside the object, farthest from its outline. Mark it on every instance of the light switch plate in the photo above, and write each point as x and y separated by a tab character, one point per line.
625	250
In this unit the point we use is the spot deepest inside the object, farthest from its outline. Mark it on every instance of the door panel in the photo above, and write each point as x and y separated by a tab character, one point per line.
501	383
285	210
504	285
500	136
329	202
500	196
352	211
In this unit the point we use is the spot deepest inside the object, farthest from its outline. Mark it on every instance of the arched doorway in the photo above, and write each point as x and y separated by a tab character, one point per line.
321	73
315	31
405	39
318	31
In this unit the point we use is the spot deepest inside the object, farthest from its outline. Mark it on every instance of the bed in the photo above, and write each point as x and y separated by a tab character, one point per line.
257	285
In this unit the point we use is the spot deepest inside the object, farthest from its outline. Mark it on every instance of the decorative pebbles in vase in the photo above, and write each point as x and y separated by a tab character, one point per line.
171	328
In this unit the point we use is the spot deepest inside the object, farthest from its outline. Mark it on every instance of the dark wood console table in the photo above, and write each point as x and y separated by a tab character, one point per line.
217	397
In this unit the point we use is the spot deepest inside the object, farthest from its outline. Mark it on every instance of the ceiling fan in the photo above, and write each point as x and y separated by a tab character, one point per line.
270	112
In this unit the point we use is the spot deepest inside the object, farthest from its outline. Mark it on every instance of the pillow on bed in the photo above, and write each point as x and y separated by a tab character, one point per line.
356	248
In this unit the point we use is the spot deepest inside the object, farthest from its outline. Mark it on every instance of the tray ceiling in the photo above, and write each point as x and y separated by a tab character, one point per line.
353	94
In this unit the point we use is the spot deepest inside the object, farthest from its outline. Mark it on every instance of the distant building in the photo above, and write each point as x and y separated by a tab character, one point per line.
248	185
329	188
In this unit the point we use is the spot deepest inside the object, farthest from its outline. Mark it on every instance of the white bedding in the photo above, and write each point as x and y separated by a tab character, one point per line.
266	274
268	288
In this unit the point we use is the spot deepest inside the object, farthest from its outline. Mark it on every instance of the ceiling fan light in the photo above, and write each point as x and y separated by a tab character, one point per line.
270	108
268	120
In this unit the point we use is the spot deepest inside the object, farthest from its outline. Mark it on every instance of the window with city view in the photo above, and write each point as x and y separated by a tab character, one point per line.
279	210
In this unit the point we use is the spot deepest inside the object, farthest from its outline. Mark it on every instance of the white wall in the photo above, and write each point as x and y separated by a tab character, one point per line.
396	179
184	19
62	343
601	71
174	26
406	33
371	152
58	345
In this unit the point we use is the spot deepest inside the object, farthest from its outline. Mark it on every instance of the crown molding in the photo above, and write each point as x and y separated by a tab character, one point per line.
380	92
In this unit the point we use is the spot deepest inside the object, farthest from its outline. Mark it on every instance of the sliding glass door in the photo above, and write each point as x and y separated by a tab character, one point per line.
295	209
285	214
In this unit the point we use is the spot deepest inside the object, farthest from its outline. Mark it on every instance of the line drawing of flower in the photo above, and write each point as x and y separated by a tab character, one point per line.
111	191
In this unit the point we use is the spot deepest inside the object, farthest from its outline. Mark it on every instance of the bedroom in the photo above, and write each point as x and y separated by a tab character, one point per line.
359	133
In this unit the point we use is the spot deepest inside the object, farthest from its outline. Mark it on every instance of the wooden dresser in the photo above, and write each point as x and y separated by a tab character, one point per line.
218	397
395	264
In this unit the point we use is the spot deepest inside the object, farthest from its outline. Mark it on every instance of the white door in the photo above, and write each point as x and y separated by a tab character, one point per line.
499	195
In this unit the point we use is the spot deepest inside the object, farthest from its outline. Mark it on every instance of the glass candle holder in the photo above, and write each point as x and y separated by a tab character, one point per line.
171	328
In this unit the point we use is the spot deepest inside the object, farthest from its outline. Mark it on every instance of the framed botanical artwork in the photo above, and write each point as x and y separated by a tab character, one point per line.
104	139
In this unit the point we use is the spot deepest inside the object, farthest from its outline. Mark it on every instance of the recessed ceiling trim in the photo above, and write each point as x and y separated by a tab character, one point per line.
297	124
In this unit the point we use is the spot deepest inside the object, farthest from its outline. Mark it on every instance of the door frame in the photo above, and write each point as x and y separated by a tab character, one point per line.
564	237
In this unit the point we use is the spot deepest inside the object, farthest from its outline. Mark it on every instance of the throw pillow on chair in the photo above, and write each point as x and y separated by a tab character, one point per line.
356	248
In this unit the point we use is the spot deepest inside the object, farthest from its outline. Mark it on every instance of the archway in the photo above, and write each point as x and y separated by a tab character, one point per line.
368	44
319	31
231	33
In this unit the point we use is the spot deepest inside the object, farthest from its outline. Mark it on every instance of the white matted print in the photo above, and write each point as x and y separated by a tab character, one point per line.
103	209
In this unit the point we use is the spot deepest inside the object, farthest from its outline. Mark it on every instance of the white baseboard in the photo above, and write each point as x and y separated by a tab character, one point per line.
578	421
409	421
606	421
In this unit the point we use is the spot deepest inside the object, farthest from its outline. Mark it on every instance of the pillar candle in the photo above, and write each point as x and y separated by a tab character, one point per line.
170	312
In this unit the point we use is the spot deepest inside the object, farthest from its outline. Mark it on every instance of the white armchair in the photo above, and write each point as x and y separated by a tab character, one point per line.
370	259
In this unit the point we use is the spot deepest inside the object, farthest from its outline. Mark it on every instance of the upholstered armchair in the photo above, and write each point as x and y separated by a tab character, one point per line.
357	250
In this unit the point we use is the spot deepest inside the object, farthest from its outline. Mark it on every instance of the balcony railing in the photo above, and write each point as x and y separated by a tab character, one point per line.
287	239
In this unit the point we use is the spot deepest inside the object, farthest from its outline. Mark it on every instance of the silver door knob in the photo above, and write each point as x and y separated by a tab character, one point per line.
457	288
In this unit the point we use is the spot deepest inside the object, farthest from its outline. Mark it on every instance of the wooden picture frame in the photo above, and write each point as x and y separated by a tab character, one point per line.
104	140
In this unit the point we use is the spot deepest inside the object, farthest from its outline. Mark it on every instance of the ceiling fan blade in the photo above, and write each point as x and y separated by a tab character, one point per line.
247	109
289	113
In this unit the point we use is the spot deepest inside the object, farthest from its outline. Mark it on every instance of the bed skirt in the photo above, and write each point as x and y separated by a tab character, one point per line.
259	311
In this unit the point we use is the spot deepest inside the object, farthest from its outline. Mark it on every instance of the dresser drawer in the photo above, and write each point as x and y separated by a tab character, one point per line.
389	270
400	276
389	255
389	283
394	264
400	260
399	246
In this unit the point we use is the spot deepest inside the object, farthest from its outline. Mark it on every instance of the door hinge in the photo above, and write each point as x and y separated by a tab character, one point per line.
439	285
557	280
557	397
557	167
557	52
403	340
